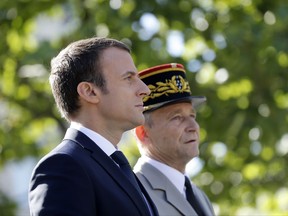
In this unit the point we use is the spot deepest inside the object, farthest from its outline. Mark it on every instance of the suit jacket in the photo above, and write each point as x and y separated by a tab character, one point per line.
78	178
166	197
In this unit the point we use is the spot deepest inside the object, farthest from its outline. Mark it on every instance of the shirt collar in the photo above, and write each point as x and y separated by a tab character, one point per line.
177	178
99	140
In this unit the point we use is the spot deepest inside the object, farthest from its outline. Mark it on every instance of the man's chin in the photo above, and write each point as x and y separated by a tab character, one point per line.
140	122
137	122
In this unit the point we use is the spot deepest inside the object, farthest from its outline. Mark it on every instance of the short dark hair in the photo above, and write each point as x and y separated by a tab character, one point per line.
78	62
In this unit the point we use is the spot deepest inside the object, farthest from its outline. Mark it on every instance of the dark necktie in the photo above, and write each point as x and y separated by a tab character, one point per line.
191	197
124	165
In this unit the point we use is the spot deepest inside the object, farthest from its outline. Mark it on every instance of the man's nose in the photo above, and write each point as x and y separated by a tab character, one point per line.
144	90
192	125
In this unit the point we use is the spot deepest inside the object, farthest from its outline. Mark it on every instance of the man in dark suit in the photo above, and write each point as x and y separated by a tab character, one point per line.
97	89
169	139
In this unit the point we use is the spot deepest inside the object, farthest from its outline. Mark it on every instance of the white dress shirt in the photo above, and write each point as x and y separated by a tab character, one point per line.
177	178
99	140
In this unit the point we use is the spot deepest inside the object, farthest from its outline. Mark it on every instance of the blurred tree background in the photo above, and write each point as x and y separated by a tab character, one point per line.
235	53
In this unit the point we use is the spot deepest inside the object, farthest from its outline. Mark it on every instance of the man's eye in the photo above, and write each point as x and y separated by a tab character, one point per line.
128	77
178	117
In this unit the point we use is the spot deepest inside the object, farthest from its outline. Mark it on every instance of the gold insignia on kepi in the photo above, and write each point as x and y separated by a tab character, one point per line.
171	86
168	84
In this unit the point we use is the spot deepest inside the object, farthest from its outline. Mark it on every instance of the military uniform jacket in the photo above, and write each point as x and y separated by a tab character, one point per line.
168	200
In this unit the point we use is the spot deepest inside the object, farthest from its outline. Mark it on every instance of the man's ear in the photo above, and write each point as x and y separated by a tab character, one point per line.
140	133
88	92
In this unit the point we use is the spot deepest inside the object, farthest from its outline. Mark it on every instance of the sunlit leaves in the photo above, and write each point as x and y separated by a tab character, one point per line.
14	41
194	47
234	161
203	134
127	7
267	153
281	99
43	132
23	92
254	171
206	74
235	89
8	76
283	59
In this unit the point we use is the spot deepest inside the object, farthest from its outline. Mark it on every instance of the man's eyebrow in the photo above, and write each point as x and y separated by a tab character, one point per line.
173	112
133	73
177	111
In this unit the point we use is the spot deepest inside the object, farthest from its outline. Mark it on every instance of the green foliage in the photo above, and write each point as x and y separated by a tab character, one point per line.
245	83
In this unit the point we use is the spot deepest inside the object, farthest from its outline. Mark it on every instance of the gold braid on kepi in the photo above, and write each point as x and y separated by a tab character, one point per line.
168	84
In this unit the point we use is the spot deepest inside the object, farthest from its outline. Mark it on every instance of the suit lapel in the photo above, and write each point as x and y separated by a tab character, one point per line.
108	165
148	198
159	181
